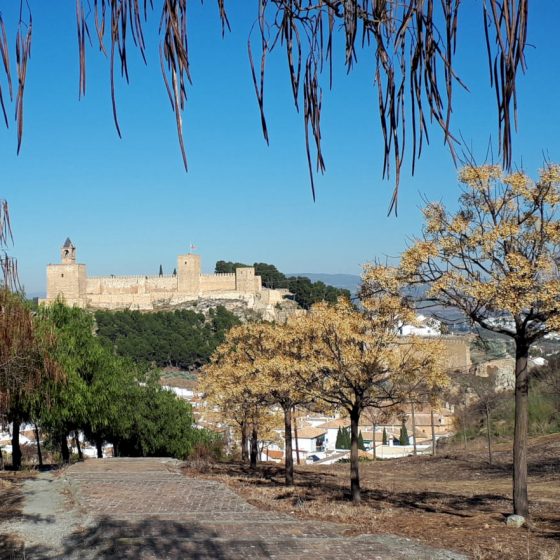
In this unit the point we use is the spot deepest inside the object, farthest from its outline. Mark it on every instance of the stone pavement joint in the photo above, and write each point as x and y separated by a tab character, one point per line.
146	509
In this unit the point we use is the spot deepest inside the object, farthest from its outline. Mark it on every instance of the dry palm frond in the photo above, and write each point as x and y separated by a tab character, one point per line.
411	42
8	265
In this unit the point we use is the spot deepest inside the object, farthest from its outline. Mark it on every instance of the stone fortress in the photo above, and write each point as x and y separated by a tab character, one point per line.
186	288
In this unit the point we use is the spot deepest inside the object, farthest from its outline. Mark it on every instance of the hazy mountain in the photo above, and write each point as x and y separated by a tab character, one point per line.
347	281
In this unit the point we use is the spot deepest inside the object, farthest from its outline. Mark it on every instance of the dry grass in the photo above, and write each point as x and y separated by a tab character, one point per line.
456	501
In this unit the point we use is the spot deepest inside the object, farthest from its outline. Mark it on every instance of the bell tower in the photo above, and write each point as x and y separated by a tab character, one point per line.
68	252
67	279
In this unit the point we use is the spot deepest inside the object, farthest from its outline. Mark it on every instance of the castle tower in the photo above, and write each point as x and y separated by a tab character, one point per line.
245	279
68	279
68	252
188	274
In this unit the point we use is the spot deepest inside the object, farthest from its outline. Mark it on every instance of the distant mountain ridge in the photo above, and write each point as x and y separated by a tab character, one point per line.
345	281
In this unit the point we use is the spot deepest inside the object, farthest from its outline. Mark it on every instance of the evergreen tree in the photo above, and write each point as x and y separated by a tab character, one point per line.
339	439
346	438
361	441
160	270
385	439
403	439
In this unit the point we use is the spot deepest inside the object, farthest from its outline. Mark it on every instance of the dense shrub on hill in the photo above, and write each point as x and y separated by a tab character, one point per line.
182	338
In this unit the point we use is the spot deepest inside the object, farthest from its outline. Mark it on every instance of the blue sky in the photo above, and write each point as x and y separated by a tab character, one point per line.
128	204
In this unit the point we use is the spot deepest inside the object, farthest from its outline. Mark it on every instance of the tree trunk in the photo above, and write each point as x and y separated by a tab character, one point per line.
38	442
488	434
433	432
244	440
78	446
354	456
289	458
374	447
296	436
64	451
413	428
254	446
1	460
520	496
16	449
99	447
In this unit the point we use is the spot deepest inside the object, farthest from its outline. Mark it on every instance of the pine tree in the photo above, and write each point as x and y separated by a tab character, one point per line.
404	435
385	439
174	272
160	270
361	441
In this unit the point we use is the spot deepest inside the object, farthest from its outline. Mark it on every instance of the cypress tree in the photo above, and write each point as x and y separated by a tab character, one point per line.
385	439
361	441
339	442
347	438
160	270
404	435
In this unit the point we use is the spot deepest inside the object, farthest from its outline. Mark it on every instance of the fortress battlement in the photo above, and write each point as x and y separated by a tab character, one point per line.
130	276
69	280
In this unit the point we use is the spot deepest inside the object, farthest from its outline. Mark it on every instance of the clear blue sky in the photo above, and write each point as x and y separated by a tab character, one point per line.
128	204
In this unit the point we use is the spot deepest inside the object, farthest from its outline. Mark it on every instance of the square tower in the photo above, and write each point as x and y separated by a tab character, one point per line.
188	274
67	279
245	279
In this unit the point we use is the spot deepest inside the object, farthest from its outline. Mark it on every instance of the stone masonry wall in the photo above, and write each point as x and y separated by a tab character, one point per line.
217	282
130	284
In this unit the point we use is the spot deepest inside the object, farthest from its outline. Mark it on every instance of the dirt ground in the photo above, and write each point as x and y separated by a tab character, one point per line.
455	501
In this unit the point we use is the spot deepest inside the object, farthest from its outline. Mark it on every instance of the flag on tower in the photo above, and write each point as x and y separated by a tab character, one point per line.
192	247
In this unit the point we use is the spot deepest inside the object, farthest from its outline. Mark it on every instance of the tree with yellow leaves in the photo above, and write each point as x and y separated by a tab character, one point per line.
235	382
256	368
496	259
283	366
359	360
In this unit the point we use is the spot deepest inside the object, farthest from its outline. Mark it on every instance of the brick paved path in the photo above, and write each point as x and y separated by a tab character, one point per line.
144	509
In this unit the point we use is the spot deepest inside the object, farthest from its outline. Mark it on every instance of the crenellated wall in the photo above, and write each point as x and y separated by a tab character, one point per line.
70	281
217	282
130	284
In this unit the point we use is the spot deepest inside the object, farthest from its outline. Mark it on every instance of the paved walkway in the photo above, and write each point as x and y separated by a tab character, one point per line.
145	509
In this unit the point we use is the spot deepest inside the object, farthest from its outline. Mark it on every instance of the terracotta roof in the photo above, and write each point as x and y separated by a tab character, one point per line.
310	433
336	423
274	454
378	435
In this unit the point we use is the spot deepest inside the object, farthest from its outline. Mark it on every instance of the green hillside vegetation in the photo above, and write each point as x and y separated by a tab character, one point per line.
182	338
306	292
109	398
544	408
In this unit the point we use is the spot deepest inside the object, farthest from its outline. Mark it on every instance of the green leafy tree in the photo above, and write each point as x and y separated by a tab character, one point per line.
385	439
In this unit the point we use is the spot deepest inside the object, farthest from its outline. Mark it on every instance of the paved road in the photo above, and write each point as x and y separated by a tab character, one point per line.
145	509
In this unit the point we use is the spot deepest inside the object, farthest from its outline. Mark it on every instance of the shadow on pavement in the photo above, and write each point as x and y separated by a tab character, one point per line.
111	538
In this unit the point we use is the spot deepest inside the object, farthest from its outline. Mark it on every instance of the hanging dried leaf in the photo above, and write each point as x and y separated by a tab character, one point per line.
411	42
23	52
4	53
